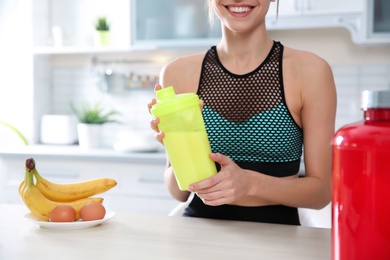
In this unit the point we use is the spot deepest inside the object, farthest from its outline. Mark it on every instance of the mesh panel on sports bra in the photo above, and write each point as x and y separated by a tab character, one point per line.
246	116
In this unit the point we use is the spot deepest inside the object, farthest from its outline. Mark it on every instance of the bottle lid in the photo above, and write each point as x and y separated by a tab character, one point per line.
168	102
375	99
165	93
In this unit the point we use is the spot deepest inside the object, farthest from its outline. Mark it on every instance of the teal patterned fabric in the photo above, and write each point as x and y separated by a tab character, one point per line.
246	116
262	138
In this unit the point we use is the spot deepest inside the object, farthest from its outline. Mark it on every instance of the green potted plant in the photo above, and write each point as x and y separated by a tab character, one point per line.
103	31
91	118
16	131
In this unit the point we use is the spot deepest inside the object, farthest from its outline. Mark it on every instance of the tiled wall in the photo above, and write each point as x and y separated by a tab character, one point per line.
76	84
80	84
350	82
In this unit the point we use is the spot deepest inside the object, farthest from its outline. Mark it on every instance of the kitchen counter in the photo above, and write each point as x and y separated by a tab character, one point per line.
132	236
139	175
74	152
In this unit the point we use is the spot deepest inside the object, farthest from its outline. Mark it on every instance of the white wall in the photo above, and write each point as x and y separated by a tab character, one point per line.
16	69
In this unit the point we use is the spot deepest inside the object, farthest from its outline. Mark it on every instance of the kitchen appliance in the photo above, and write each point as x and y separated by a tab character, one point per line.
185	139
361	183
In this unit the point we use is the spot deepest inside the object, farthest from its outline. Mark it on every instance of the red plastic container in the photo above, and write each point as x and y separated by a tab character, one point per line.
361	183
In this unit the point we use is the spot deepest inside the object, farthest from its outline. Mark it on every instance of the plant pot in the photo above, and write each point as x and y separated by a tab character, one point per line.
58	129
89	135
102	38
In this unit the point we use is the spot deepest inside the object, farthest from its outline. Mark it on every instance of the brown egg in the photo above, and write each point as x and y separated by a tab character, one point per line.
92	211
63	213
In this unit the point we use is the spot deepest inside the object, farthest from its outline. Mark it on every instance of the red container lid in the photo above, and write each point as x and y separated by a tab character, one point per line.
375	99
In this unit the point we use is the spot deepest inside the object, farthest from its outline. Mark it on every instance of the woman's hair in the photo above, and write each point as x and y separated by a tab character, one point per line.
211	12
212	15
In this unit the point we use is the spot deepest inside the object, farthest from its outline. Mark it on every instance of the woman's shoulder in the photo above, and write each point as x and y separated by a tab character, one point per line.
304	60
308	72
183	72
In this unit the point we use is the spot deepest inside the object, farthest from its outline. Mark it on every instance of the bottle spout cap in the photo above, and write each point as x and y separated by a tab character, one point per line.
165	93
168	102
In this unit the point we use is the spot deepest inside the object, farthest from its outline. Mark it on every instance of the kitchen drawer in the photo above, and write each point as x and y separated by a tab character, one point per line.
139	205
140	186
132	178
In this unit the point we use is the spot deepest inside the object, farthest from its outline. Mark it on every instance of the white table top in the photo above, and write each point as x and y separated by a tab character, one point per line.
129	236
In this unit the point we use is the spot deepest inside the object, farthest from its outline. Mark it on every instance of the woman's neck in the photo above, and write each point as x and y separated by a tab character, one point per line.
241	53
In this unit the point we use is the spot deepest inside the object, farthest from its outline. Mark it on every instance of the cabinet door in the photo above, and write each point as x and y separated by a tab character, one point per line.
333	6
286	8
170	20
140	187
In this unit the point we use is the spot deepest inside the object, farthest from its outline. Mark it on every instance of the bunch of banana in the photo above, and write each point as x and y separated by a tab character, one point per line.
41	198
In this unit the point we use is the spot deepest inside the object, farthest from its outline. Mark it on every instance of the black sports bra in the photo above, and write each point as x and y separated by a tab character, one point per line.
246	116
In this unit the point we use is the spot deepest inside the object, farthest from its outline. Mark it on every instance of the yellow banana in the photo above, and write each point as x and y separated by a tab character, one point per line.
21	186
71	191
40	206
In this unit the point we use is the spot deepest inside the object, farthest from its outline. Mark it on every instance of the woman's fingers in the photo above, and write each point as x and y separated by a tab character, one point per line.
159	137
155	121
151	103
153	100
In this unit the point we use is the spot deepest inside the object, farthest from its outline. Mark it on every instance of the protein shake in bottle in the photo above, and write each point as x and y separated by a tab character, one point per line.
185	139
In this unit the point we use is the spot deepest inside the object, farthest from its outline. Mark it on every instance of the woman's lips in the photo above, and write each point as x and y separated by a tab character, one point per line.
239	11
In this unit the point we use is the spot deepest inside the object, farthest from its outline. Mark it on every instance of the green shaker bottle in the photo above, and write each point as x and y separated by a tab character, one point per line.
185	139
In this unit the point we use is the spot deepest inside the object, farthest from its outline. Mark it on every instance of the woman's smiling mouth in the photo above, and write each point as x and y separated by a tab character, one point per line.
239	9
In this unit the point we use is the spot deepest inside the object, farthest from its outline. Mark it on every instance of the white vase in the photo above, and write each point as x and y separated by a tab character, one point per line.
89	135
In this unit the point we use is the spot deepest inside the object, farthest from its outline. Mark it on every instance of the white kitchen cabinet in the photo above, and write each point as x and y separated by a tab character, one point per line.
375	23
150	24
140	187
332	6
286	8
314	14
315	7
172	23
68	27
134	25
360	17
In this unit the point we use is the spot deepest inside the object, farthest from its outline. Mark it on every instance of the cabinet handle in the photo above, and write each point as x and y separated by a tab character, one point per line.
51	175
146	180
308	5
297	5
302	5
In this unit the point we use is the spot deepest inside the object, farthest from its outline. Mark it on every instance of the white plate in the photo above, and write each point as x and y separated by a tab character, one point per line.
68	225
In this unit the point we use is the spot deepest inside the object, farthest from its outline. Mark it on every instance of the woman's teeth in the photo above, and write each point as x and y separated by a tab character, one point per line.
239	9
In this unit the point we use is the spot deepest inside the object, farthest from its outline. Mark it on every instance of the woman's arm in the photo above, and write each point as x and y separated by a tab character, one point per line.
311	98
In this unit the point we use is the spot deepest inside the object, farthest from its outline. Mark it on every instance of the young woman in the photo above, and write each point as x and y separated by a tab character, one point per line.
262	104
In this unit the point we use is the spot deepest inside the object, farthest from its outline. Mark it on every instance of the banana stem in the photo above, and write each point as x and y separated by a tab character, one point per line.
30	167
28	178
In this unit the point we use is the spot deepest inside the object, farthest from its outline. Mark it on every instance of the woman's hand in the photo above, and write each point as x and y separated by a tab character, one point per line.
226	187
154	122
